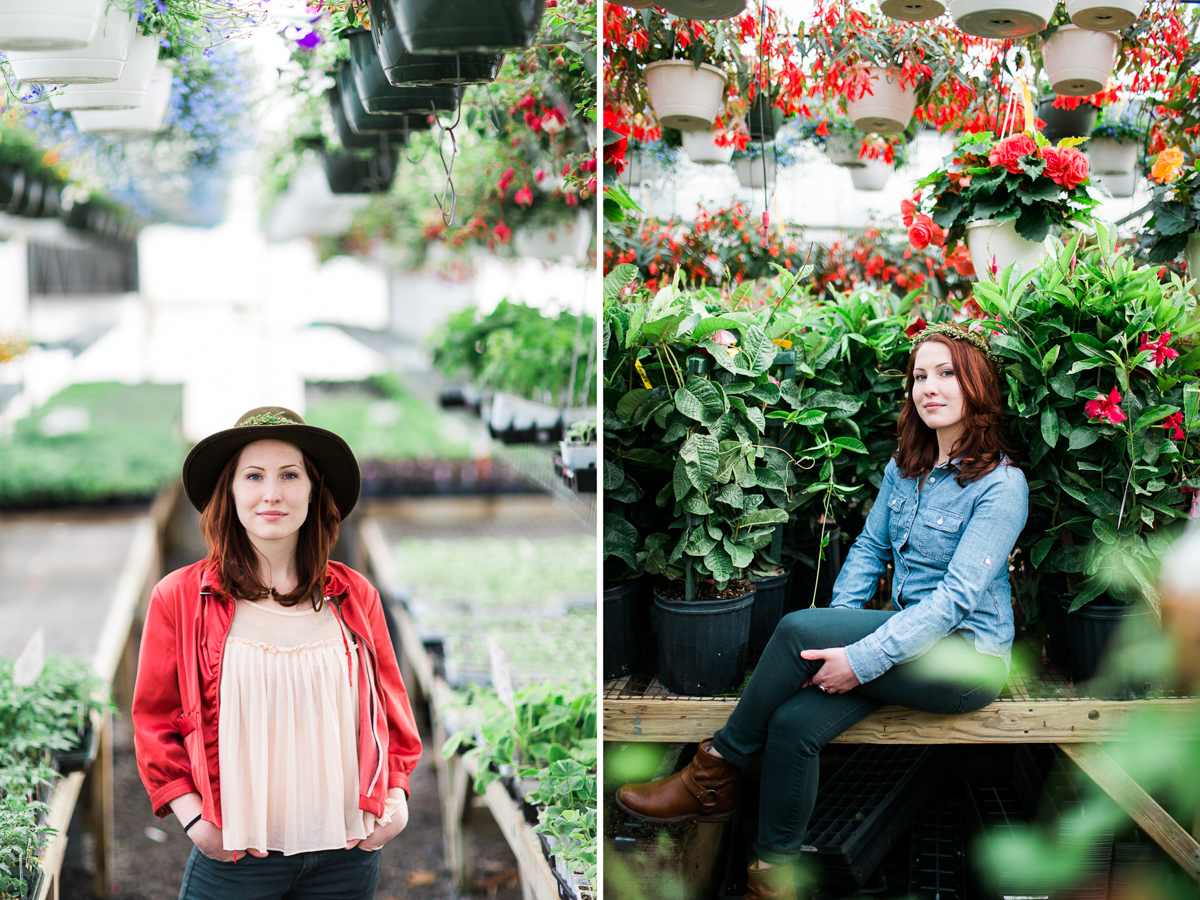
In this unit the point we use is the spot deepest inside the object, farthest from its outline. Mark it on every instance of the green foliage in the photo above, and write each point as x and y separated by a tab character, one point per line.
131	449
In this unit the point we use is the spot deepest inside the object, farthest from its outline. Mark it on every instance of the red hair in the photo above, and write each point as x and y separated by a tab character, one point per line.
230	549
983	442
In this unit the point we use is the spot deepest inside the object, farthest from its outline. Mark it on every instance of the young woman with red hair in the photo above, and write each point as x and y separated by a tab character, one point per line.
948	512
269	715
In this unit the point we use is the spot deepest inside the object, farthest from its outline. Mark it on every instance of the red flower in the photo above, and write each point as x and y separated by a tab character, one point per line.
1106	407
960	259
1162	353
916	327
502	233
1008	151
524	197
1176	422
907	207
1065	166
923	232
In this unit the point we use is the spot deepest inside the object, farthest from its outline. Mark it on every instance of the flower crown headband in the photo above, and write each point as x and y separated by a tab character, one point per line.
958	333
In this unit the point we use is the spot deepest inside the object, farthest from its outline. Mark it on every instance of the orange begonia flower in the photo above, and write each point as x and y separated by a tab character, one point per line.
1167	166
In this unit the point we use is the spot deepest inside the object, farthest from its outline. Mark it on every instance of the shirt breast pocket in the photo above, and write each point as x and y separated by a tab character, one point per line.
940	533
895	519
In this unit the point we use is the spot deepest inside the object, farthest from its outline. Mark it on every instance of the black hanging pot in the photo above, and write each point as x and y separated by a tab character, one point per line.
31	203
349	173
404	68
764	120
363	122
347	136
12	185
702	643
51	201
1064	123
380	97
452	26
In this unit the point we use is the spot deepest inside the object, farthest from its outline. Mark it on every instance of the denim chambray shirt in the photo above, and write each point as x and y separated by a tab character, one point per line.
949	546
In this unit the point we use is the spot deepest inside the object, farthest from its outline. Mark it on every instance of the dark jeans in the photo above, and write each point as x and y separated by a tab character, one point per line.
791	725
319	875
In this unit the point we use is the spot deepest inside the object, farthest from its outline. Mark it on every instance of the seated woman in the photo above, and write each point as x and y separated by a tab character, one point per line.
948	512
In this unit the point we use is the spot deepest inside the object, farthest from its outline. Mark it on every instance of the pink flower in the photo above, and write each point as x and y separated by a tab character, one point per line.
923	232
1065	166
524	197
724	338
553	122
1162	353
1008	151
1176	422
1106	407
502	233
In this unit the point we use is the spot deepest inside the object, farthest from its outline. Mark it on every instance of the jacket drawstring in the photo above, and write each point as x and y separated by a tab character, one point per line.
336	601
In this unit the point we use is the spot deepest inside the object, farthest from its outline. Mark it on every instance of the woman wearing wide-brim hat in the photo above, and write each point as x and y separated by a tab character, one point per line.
269	714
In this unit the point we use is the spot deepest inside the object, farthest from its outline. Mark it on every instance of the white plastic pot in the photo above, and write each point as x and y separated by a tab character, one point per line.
750	172
577	456
641	167
704	9
701	147
871	177
1002	19
127	92
1078	61
49	24
569	239
147	118
100	61
1191	255
1108	15
1107	156
843	149
1119	185
683	96
887	109
912	10
994	246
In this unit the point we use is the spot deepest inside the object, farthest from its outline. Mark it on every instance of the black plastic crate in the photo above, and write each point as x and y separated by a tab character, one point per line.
994	809
936	865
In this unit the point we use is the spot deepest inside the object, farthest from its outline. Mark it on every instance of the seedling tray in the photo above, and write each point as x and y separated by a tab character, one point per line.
936	866
81	758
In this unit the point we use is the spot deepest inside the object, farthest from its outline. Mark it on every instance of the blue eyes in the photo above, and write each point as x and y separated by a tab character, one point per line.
949	373
288	476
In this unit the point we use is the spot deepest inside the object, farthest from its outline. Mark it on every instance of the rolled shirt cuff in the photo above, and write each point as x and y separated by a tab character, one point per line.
867	659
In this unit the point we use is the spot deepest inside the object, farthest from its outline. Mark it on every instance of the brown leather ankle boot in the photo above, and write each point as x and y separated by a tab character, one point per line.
706	789
776	883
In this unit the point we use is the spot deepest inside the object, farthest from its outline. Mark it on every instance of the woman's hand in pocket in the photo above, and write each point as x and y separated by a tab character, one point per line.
207	838
384	833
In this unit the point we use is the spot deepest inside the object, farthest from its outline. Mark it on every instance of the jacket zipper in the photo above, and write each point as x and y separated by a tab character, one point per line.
336	602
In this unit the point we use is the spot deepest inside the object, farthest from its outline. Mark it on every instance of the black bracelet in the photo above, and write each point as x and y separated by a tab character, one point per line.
191	823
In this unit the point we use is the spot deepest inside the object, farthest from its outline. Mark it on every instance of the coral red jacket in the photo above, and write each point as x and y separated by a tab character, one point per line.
177	698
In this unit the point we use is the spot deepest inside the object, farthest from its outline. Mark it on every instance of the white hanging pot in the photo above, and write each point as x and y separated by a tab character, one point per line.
1191	254
147	118
994	246
100	61
1107	156
703	9
702	147
912	10
683	96
1078	61
888	109
640	168
49	24
843	149
1119	185
871	177
566	240
127	92
1106	15
751	174
1002	19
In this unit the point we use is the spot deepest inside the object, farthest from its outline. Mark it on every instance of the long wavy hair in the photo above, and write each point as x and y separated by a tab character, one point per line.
229	546
983	442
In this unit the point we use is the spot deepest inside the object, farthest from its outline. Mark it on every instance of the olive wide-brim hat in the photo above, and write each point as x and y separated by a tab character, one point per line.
330	454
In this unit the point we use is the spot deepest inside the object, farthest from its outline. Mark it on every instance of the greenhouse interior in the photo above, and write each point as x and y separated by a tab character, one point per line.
804	201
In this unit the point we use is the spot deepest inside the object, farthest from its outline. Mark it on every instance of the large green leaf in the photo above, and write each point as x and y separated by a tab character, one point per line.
699	456
719	564
769	516
1050	426
628	404
701	399
618	279
741	555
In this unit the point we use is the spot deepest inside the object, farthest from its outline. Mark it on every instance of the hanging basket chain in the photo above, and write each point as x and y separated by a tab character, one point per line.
448	202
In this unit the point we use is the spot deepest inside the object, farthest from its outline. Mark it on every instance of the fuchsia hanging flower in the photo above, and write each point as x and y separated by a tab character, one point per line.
1106	407
1162	353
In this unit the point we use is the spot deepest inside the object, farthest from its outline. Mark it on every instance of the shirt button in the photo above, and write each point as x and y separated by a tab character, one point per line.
939	520
932	479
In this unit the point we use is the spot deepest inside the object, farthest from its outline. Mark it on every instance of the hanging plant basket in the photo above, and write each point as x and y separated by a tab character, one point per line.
764	119
912	10
684	96
1078	61
1062	123
873	176
994	246
98	62
127	92
842	148
147	118
452	26
702	147
348	173
362	122
49	24
704	9
31	201
751	174
1107	156
378	96
702	644
888	109
402	68
1109	15
1002	19
1122	185
347	136
568	239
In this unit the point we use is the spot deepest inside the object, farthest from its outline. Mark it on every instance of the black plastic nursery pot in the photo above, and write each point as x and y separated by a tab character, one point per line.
702	643
1063	123
30	202
80	758
351	174
626	628
763	121
12	185
51	201
770	597
347	136
1054	614
401	67
380	97
363	122
1096	637
451	26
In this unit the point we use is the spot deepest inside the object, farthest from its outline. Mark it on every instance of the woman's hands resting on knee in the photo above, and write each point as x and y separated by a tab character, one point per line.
204	834
835	676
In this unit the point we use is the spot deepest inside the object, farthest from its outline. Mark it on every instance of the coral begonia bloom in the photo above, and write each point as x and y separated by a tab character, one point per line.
1108	408
908	207
960	259
1175	422
1009	151
1162	353
923	232
1065	166
1167	166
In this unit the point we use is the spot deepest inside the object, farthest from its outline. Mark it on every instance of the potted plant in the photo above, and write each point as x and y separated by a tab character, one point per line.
1002	19
1067	117
126	92
376	93
405	68
1104	15
1005	196
707	147
879	158
1100	360
1174	225
704	9
101	60
476	25
1078	61
149	116
50	25
1116	138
